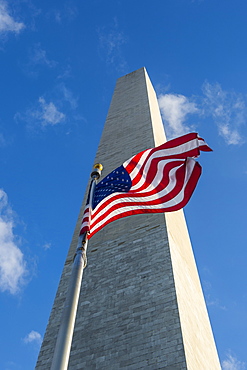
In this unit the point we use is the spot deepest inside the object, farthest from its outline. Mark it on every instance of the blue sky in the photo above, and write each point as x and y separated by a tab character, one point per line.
59	61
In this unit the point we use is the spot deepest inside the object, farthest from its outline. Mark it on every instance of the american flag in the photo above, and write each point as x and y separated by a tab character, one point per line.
160	179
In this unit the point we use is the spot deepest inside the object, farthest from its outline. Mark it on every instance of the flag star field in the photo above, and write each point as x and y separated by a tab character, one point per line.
117	180
59	62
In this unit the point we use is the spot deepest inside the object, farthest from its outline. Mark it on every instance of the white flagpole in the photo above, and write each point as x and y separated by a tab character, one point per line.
64	339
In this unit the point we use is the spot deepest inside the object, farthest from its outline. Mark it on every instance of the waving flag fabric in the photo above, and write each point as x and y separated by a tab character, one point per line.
160	179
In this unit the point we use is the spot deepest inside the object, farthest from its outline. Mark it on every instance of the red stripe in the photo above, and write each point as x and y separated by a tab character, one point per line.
134	161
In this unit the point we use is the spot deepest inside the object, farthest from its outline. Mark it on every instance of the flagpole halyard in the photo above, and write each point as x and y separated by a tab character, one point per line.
64	339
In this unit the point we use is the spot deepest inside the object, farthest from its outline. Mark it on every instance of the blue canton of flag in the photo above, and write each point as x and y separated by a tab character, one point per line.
117	181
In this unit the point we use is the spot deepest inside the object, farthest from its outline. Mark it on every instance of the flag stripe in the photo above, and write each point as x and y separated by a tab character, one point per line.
162	180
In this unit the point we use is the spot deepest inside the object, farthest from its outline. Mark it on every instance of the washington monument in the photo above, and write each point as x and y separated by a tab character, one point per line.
141	304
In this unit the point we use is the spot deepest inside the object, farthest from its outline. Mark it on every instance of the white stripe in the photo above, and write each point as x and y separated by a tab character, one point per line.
202	142
85	215
142	159
158	175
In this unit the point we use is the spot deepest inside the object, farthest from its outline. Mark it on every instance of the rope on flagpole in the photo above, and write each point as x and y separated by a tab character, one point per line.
65	334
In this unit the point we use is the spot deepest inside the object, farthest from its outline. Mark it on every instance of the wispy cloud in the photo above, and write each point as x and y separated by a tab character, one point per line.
43	114
228	110
210	299
48	113
37	61
11	365
111	40
46	246
66	73
232	363
38	56
13	268
7	22
68	96
67	12
214	302
174	109
33	337
59	106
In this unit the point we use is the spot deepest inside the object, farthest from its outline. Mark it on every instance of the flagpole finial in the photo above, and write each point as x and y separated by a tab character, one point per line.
96	173
99	166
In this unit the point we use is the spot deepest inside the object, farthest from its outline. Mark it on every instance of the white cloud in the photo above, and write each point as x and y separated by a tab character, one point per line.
58	109
174	109
33	336
232	363
228	110
43	114
7	23
231	136
12	264
49	114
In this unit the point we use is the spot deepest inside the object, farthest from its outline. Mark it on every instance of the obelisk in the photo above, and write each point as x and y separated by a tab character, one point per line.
141	304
